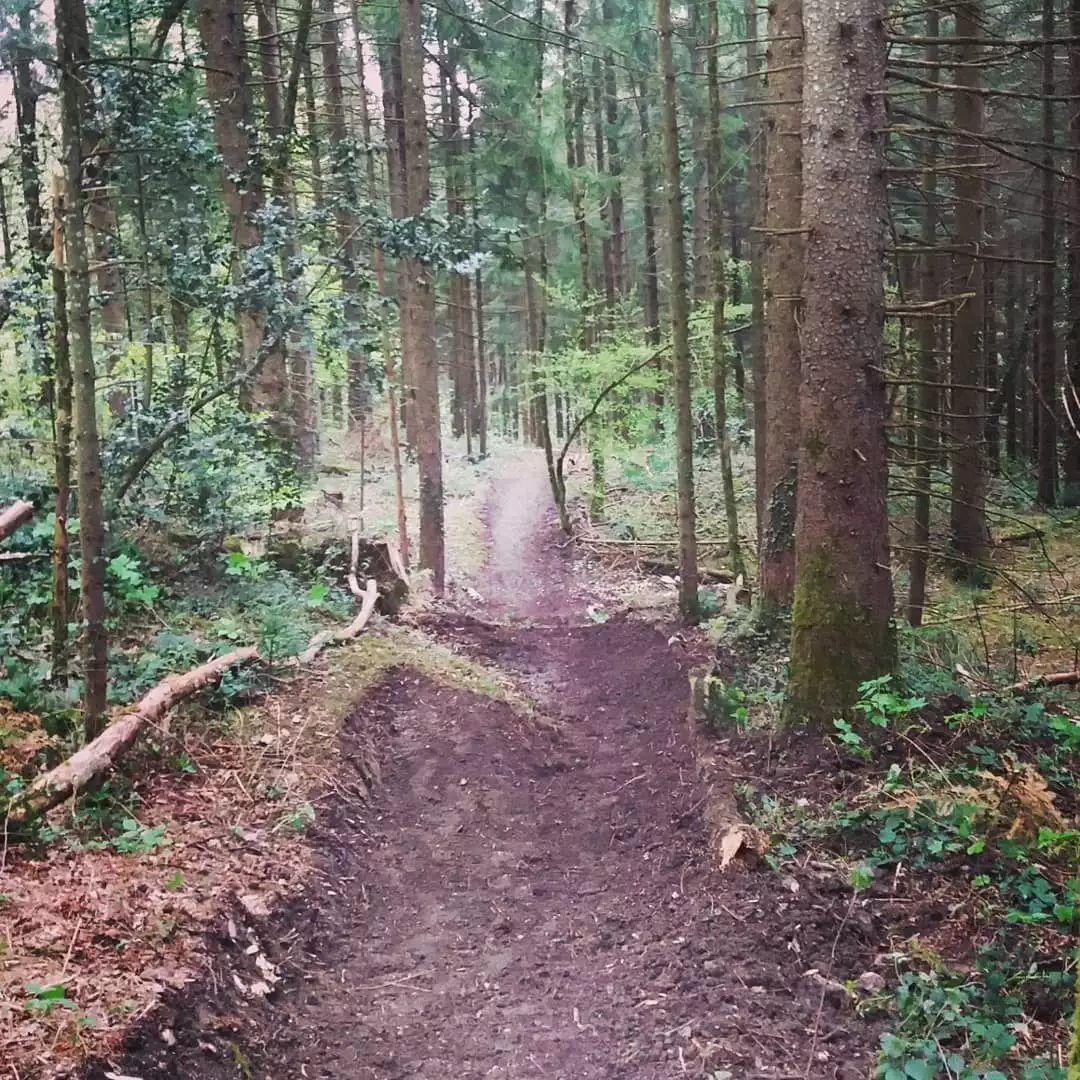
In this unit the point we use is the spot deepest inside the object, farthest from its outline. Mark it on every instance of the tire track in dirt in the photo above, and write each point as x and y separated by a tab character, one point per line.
517	903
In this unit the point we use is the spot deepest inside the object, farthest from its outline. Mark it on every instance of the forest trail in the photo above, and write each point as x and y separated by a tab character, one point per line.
519	902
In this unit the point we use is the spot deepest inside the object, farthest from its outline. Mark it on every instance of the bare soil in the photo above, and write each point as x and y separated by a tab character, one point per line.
525	899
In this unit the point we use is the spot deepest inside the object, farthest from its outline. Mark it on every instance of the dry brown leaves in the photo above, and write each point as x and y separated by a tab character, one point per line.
116	931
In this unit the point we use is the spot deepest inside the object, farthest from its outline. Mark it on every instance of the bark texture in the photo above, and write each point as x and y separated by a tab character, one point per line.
841	619
419	301
680	323
71	29
970	538
783	268
221	28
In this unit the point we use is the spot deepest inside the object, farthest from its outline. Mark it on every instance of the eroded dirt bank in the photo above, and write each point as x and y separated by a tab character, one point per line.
522	901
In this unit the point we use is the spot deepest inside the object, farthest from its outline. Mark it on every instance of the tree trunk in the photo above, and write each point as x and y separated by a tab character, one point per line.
1047	405
755	184
379	262
281	117
970	538
419	307
927	395
714	176
700	277
300	388
680	323
221	27
479	340
575	163
783	268
60	605
74	77
5	226
37	234
600	144
650	281
614	159
1071	462
841	632
396	177
348	242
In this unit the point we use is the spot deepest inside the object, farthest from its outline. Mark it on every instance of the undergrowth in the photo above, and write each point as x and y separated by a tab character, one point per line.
962	806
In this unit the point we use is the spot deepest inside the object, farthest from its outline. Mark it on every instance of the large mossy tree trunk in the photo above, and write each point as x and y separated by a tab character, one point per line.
841	618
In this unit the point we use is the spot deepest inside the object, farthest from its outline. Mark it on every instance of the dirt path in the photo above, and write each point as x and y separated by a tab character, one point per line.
517	903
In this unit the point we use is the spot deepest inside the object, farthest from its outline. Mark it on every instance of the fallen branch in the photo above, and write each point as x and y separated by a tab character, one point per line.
1060	678
1022	537
337	637
14	516
603	541
99	755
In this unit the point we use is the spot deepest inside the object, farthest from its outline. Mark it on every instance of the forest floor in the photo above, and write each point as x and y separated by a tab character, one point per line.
530	890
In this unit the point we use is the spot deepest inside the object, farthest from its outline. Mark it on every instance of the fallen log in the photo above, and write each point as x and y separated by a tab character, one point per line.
1058	678
669	569
99	755
14	516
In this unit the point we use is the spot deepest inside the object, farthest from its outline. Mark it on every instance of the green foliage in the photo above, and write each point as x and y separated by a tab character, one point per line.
137	839
129	581
299	819
44	999
948	1024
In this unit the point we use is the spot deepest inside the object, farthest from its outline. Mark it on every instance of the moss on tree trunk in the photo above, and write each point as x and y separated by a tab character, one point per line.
842	642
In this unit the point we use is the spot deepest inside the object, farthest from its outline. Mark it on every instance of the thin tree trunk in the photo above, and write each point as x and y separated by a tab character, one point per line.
755	184
478	299
680	323
396	177
300	389
841	619
419	308
927	345
1012	350
783	256
600	143
60	606
311	116
719	288
348	241
5	226
70	33
1047	405
575	162
700	277
970	538
1071	461
614	160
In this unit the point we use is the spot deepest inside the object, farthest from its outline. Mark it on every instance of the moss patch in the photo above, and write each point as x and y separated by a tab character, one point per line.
837	642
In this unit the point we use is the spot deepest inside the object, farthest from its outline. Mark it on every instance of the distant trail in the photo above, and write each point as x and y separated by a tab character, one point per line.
519	904
525	574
